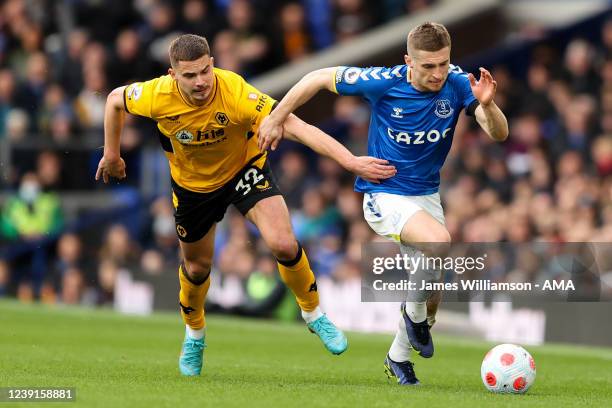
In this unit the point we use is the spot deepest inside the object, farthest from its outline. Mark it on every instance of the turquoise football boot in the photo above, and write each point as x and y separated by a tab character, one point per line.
192	356
333	339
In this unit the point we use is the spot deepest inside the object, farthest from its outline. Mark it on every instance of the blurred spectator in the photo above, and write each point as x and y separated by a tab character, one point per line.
69	257
225	50
5	278
48	170
55	105
107	278
30	93
31	213
253	48
7	90
72	287
292	177
152	262
601	151
294	41
579	69
164	232
352	17
264	290
17	125
91	100
119	248
70	62
317	217
199	18
129	62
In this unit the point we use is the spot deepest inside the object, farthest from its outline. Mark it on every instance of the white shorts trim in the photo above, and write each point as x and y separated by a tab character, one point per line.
388	213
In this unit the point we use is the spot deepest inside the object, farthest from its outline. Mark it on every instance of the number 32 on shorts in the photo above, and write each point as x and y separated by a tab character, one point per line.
252	177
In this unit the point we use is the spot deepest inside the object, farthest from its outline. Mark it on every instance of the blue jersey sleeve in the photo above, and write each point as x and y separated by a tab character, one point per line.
463	85
370	83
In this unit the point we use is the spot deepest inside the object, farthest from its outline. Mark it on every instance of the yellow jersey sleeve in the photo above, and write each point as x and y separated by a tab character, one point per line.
253	105
139	97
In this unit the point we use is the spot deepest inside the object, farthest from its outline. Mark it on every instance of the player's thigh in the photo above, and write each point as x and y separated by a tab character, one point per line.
424	232
196	215
271	216
409	220
258	198
198	255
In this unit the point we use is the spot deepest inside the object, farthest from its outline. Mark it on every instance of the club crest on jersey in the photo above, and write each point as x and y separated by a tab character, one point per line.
184	136
443	108
397	113
351	75
221	118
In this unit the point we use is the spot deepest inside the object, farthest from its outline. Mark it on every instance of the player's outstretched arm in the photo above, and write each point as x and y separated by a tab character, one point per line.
111	164
488	115
369	168
270	133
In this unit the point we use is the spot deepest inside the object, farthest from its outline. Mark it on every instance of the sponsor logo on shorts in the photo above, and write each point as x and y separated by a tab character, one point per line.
263	186
181	231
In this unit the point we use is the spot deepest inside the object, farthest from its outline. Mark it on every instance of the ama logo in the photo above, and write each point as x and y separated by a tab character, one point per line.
443	108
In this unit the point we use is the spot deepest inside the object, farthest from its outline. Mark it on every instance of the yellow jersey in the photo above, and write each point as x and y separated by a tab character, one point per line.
205	145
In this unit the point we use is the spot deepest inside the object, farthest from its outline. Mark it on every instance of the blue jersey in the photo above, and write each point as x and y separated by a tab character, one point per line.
411	129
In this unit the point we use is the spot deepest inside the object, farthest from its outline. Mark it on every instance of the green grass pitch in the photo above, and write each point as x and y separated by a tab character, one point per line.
127	361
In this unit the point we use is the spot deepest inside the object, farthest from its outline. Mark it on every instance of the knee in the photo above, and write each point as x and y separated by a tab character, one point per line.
438	243
198	269
284	247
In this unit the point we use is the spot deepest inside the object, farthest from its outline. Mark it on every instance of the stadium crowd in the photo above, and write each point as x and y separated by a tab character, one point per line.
551	181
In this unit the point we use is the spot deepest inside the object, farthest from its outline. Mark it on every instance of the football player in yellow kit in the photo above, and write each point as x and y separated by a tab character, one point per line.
208	121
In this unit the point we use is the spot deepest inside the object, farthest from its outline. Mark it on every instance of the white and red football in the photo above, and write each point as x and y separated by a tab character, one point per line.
508	368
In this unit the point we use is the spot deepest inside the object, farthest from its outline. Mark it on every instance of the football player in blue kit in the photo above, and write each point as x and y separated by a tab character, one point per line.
414	111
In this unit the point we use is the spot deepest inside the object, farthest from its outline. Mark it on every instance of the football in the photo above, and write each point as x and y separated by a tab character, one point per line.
508	368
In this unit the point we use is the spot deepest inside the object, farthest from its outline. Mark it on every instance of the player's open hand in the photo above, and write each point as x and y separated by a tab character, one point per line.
484	88
270	134
110	168
371	168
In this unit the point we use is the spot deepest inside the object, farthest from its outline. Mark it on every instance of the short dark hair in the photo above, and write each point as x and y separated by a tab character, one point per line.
188	47
428	37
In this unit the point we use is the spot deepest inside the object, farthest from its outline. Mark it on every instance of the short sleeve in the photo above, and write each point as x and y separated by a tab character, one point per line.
253	105
468	100
138	97
370	83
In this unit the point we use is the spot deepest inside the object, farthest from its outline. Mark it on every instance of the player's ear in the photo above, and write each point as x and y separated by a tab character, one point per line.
171	73
407	60
212	62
